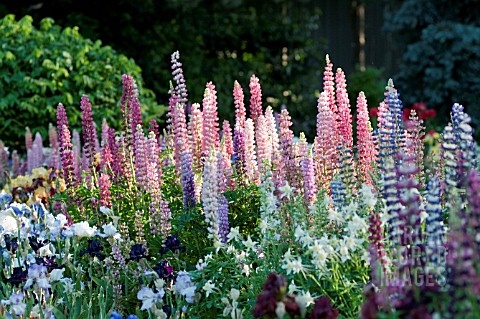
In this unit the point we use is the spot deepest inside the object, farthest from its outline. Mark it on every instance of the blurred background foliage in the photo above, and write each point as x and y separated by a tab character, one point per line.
430	48
440	41
220	41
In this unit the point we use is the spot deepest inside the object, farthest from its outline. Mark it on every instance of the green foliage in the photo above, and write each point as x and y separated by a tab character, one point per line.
370	81
49	65
440	64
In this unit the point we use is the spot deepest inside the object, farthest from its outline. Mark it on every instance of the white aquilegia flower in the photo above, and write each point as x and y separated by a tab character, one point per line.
83	229
208	287
249	243
293	266
334	215
234	234
357	224
303	301
369	198
344	253
287	191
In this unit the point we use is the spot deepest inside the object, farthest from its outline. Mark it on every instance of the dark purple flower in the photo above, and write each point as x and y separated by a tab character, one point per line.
164	270
137	252
94	249
167	309
35	244
265	304
172	243
18	276
11	244
322	309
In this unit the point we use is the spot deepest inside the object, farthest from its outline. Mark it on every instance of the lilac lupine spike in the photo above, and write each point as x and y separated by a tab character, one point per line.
328	85
330	102
223	227
116	163
221	170
130	110
240	111
77	153
238	158
414	145
410	199
54	160
227	152
136	117
309	183
210	195
255	99
123	160
180	90
449	156
88	132
15	163
67	157
264	145
326	155
106	157
4	170
66	151
289	170
154	186
474	201
390	193
365	145
346	169
166	215
464	138
435	243
227	137
140	159
153	153
180	134
301	147
344	113
104	185
28	133
188	182
195	130
210	119
271	123
395	105
463	280
35	158
251	168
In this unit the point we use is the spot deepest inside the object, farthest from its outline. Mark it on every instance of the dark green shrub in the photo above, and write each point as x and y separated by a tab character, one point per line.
45	66
371	82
